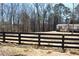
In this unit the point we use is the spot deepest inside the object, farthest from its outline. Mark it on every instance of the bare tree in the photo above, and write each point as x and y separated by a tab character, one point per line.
38	16
2	16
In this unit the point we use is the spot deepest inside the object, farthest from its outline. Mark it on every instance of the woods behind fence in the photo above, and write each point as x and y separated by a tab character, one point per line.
42	39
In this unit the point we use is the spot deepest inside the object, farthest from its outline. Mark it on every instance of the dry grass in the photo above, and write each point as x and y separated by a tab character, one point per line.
12	49
75	52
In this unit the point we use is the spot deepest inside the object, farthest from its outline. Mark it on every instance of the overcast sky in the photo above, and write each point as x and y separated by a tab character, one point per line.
70	5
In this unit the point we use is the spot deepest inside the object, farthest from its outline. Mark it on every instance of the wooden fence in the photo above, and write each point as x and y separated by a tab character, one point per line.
64	41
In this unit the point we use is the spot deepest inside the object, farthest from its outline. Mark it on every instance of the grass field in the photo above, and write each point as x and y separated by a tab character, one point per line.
13	49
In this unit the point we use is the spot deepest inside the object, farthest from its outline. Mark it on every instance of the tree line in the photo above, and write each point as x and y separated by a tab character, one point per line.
35	17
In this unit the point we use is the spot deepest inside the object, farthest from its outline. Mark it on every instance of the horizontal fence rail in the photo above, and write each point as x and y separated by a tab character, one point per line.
43	39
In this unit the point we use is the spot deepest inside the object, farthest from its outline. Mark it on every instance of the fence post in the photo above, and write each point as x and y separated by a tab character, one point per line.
63	50
19	36
3	36
38	39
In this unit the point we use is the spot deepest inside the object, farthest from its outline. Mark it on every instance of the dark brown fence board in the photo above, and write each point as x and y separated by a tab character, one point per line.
50	42
30	40
1	35
71	42
30	33
49	34
12	39
1	38
11	36
72	39
50	45
71	34
11	32
72	47
50	38
28	37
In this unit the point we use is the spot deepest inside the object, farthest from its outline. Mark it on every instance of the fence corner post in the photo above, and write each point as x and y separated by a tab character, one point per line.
19	36
3	37
63	50
38	39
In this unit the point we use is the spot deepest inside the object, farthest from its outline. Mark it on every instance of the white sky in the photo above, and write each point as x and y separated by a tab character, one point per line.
70	5
39	1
